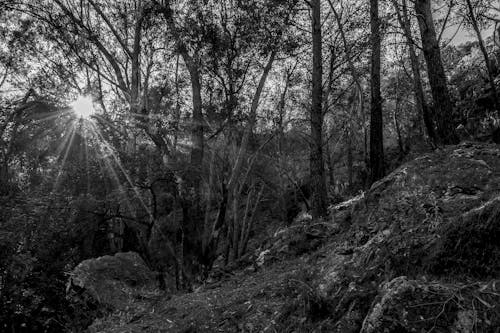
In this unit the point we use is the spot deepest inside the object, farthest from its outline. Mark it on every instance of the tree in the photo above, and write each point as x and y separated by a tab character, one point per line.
318	178
418	90
472	17
193	63
377	169
443	105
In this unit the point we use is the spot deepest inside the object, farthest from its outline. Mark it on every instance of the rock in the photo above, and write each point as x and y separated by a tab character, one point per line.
301	238
405	305
109	282
436	216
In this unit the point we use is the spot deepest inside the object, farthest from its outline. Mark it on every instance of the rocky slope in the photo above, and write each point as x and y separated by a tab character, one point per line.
419	252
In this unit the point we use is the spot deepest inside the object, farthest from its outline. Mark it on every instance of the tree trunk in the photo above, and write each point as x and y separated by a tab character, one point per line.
477	30
281	152
318	181
197	136
396	125
377	169
443	106
193	65
350	160
329	162
418	90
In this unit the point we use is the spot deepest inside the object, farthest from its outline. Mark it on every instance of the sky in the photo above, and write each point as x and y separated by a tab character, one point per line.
464	34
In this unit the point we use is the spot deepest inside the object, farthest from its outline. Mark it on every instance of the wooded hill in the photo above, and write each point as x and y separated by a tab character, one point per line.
174	149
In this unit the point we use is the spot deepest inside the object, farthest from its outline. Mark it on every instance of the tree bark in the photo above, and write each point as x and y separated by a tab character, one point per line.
377	169
197	128
421	105
318	180
443	106
350	159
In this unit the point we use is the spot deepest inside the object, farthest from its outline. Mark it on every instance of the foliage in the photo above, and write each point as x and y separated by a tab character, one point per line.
199	145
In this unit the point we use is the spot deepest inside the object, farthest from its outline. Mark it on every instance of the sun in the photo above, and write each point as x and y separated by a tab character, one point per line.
83	107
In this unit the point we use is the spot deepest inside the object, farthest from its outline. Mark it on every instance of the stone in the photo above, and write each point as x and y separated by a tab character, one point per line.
110	281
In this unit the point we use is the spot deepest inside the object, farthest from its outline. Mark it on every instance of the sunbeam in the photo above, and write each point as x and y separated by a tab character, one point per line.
83	107
117	162
69	143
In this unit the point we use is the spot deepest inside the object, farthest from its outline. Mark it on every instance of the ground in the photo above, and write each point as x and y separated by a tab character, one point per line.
418	252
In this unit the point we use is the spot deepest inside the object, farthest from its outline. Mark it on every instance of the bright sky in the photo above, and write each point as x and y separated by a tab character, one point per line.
465	35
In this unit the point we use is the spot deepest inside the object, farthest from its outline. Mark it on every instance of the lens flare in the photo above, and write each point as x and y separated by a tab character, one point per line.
83	107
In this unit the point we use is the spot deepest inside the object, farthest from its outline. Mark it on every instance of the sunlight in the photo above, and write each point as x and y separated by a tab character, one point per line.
83	107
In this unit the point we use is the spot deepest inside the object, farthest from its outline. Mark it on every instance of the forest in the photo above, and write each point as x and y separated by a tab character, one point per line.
249	166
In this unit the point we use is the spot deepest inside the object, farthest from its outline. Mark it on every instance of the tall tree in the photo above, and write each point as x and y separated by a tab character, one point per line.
418	90
377	169
318	178
443	105
193	64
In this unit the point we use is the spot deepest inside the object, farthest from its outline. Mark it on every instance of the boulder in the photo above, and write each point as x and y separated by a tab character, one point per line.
109	282
427	234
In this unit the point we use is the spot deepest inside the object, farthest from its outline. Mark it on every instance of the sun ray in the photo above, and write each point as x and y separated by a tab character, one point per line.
48	116
124	172
69	143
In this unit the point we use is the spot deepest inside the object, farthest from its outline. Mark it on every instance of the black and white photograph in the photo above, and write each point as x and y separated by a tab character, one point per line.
248	166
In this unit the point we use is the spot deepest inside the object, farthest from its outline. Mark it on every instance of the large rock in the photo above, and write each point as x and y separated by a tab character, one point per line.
110	282
437	219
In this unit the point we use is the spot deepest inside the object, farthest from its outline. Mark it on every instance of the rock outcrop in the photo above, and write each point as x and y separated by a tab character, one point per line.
424	243
100	285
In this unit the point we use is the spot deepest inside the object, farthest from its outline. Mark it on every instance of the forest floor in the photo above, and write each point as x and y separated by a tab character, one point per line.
247	300
418	252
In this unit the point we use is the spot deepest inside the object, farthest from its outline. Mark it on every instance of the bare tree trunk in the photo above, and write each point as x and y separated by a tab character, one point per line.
318	181
477	30
236	221
233	188
421	105
177	113
443	105
281	141
377	169
396	122
349	158
197	126
329	162
249	221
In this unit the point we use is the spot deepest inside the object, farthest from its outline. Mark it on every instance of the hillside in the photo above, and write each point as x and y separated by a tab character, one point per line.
418	252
